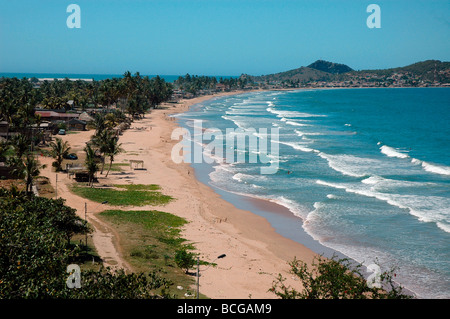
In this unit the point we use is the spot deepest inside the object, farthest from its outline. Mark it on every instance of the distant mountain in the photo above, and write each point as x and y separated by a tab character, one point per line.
302	74
416	74
426	70
330	67
317	71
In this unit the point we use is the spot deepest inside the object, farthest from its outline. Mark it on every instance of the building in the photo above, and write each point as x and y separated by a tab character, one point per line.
56	116
85	117
76	125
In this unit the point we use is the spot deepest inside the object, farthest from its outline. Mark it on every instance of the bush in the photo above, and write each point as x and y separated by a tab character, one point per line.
335	279
184	259
35	253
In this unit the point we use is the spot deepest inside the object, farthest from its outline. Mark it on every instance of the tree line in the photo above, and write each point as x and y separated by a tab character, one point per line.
134	93
194	83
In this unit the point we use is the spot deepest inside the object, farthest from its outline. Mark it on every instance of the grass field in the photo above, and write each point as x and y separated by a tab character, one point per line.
124	195
149	240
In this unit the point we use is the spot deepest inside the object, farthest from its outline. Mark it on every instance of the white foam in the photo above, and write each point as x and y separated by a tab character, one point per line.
237	112
424	208
444	226
432	168
289	204
349	165
296	123
238	124
238	177
391	152
373	180
290	113
303	134
299	147
378	182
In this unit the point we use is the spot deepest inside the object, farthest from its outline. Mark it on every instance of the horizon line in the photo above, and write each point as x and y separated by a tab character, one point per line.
219	75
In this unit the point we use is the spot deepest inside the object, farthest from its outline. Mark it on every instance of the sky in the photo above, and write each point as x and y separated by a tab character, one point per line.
218	37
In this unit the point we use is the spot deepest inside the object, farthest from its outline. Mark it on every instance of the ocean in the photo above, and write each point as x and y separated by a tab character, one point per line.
96	77
365	172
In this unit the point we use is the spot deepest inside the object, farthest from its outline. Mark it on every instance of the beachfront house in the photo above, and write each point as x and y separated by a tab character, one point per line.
85	117
220	87
76	125
53	116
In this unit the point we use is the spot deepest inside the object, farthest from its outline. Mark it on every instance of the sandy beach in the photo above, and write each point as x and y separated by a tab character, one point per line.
255	252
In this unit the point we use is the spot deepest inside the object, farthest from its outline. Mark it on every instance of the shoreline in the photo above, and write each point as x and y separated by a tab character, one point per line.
250	231
282	220
255	252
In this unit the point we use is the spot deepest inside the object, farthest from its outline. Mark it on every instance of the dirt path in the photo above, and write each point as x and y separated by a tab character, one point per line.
104	237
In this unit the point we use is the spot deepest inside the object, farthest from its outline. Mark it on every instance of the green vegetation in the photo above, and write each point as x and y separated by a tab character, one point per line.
425	73
150	241
138	92
28	170
20	158
194	84
111	148
35	251
330	67
162	227
184	259
335	279
59	150
91	163
125	195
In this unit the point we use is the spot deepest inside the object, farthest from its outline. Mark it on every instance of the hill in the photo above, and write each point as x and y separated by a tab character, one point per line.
302	74
428	70
330	67
318	71
324	73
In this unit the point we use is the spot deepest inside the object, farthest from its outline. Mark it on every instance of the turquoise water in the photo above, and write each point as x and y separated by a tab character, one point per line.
97	77
366	170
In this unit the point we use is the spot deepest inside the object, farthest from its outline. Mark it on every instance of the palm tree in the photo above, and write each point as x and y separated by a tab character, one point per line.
91	163
28	170
20	144
111	120
99	123
112	148
59	150
100	140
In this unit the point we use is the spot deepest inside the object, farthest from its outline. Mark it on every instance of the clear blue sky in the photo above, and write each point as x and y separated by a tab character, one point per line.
218	37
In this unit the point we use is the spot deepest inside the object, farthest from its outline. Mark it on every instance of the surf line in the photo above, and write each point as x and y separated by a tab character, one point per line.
235	144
